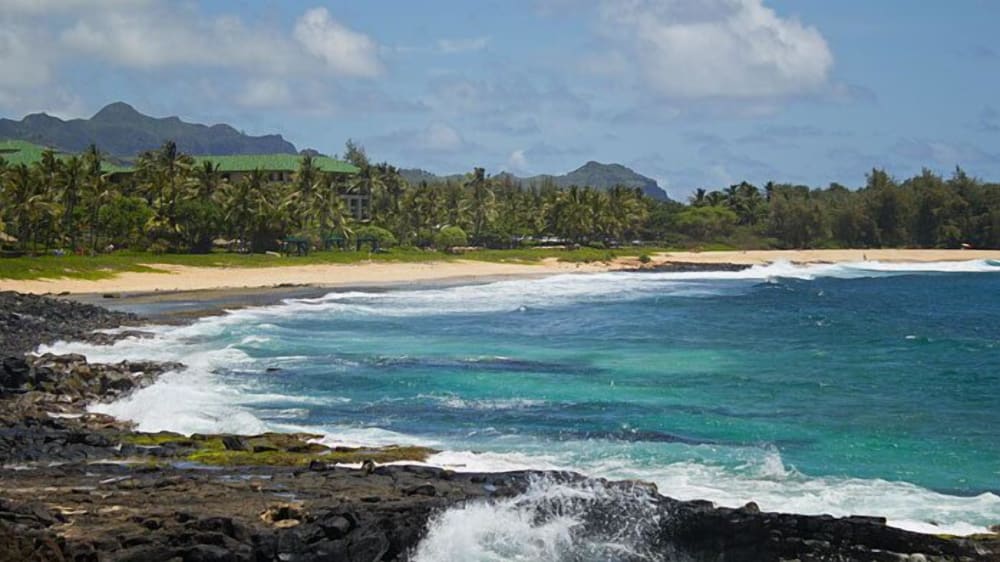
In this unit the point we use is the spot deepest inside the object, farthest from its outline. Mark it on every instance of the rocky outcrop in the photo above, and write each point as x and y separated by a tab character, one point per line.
27	321
70	379
683	267
109	512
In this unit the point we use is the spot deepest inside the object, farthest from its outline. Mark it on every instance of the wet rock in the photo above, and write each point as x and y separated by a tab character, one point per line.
422	490
27	321
233	443
676	266
14	373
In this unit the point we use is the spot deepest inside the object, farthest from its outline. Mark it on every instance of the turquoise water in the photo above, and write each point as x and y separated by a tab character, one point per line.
863	388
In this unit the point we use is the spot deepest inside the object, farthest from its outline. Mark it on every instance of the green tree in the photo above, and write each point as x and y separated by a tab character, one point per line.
482	201
123	219
706	223
70	179
450	237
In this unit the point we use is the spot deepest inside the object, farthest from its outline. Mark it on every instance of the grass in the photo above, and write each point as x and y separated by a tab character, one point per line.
272	449
285	458
107	266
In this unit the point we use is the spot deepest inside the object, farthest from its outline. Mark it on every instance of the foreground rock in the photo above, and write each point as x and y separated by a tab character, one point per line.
27	321
111	512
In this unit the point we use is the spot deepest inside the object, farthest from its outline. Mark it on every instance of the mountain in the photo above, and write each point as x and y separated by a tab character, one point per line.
120	130
592	174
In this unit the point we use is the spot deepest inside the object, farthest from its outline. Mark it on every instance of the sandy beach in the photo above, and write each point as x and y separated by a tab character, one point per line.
183	279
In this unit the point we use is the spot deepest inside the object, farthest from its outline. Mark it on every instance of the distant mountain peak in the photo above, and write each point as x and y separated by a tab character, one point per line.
122	131
592	174
117	111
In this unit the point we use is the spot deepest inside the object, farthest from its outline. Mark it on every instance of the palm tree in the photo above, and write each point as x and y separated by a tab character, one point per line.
28	203
482	201
331	214
236	199
698	199
162	175
385	201
745	200
206	180
570	215
457	207
370	183
627	211
70	178
715	199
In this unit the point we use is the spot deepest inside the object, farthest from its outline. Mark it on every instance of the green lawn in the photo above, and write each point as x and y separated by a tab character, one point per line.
106	266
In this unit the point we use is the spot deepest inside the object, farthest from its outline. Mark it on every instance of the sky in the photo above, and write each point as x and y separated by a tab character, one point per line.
694	93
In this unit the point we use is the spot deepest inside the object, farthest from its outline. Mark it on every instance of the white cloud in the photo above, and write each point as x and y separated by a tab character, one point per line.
28	68
517	161
435	140
265	93
347	52
452	46
23	59
441	137
690	49
39	38
63	6
163	36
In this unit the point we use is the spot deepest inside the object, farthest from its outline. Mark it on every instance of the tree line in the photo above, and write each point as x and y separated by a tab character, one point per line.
170	203
924	211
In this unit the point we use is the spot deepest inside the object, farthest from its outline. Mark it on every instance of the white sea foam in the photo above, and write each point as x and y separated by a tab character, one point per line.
198	399
765	481
561	290
362	436
459	403
546	523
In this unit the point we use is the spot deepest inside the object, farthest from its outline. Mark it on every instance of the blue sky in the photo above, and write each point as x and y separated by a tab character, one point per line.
695	93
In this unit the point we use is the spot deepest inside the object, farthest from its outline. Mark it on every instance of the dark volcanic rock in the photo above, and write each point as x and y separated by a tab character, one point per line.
677	266
27	321
247	515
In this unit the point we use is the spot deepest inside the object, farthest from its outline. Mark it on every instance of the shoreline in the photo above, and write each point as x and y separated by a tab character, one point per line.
93	501
188	281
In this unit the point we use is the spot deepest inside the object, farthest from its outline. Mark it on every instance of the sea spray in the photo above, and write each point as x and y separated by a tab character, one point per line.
863	388
556	519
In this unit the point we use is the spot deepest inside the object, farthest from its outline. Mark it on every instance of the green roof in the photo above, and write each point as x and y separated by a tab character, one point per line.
16	152
276	163
23	152
20	152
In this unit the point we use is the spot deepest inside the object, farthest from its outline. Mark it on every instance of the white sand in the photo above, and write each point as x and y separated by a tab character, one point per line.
182	278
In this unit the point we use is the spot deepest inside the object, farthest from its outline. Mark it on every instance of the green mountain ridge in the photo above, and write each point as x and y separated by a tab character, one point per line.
592	174
120	130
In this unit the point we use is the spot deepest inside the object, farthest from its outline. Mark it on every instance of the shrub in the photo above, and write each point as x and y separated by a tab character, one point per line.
385	238
450	237
644	258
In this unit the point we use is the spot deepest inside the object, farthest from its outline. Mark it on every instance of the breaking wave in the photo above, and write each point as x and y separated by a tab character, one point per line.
210	395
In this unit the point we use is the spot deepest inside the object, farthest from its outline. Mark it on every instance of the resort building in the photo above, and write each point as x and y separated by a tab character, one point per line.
281	168
278	168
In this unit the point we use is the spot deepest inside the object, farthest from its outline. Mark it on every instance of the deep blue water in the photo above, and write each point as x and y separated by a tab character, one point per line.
839	389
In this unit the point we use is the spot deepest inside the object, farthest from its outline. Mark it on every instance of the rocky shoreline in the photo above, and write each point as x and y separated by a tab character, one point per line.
86	487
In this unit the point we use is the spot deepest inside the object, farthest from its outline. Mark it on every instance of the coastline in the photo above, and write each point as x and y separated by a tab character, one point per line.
159	508
188	282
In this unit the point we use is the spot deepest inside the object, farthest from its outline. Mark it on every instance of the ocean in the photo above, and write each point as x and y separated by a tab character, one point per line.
863	388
